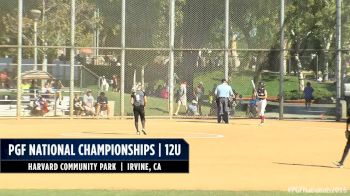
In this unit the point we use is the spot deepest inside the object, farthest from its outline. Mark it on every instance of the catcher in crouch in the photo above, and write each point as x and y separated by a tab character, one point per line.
261	95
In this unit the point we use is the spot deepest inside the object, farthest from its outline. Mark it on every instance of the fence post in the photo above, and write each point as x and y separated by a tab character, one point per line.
281	87
81	77
35	44
338	59
72	40
171	57
143	76
134	79
122	59
19	58
227	18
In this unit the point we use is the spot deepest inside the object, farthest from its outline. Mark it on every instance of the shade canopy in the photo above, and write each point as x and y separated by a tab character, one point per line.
36	75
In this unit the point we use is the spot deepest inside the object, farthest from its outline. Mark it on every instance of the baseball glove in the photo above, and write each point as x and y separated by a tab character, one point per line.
347	134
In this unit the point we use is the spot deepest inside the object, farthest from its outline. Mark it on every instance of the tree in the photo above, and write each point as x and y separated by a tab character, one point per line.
54	27
319	18
324	29
198	18
255	24
314	18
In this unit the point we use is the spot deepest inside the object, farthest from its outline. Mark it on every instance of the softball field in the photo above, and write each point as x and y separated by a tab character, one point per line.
239	156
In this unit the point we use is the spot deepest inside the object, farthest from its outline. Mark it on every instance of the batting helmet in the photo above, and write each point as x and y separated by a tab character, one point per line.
262	84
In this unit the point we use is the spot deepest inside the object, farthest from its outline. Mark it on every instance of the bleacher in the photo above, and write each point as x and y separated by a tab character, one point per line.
8	107
57	108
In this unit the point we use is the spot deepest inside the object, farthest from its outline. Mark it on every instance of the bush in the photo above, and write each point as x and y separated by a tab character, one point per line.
293	95
322	96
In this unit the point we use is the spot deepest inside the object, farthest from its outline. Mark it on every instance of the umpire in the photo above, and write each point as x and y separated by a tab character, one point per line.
223	93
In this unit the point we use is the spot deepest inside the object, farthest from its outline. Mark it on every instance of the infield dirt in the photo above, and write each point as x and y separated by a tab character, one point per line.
236	156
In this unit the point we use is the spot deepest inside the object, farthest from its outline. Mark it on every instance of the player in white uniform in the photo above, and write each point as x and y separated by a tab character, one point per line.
261	94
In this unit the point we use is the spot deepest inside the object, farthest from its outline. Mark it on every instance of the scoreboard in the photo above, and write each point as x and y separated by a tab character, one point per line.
94	156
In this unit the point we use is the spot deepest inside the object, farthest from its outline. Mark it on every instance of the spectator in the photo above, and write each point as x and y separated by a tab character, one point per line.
100	60
212	101
78	105
80	59
181	97
158	91
77	58
164	92
114	83
4	79
40	106
104	84
193	108
176	78
198	94
308	90
57	87
25	85
33	89
114	62
102	104
62	58
107	59
58	100
47	90
88	103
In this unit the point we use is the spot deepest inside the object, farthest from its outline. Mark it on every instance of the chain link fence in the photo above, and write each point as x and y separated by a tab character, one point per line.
213	39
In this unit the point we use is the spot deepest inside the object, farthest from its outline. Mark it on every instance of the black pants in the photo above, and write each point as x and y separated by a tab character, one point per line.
346	151
222	109
139	111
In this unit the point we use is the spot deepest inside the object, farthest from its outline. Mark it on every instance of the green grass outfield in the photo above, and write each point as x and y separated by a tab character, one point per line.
149	193
241	82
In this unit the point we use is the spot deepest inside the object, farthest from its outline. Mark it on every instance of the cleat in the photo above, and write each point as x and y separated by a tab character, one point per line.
144	132
137	132
337	164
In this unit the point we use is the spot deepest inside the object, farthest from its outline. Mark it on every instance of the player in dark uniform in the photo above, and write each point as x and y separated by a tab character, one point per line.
102	104
347	146
261	95
139	102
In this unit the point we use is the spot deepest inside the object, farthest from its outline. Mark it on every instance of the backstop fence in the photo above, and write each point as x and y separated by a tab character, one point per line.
61	49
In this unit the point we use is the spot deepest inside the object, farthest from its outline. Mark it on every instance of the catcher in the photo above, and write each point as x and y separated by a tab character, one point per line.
233	102
347	146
